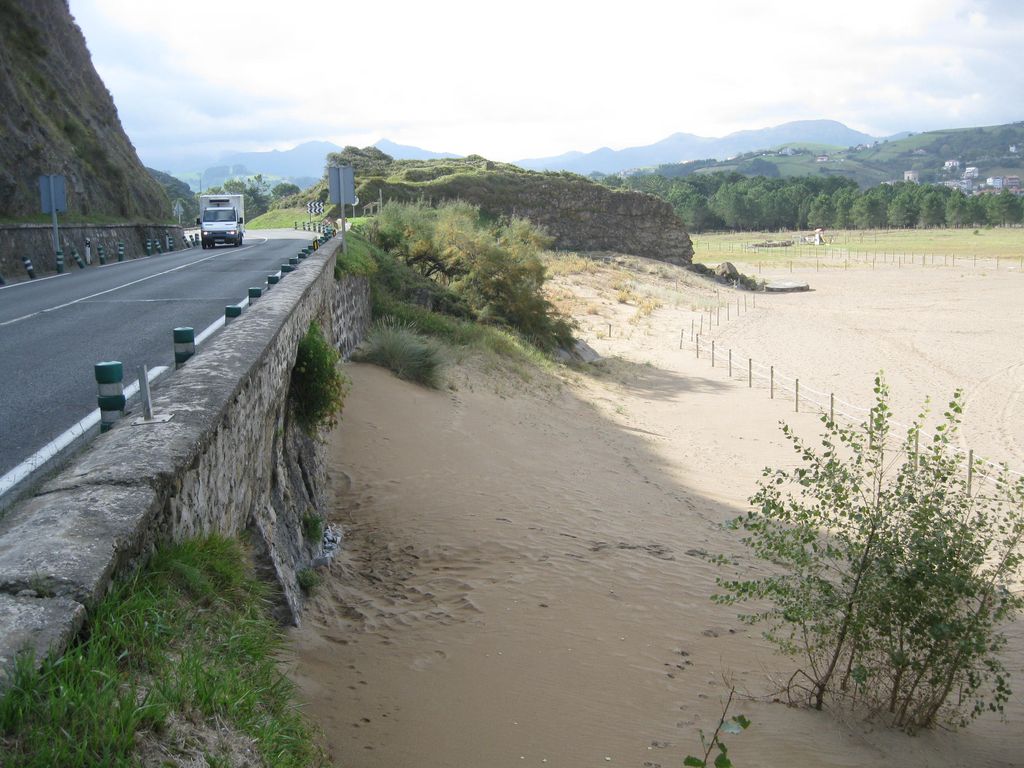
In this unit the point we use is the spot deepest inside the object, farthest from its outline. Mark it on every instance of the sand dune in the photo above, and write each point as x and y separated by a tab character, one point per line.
525	581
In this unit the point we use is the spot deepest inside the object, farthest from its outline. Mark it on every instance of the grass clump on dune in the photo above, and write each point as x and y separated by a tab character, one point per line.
396	345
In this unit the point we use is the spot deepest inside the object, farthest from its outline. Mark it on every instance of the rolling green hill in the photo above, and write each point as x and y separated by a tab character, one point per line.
986	148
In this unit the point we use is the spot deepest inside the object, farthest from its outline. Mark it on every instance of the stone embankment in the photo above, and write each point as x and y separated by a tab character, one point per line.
35	241
231	460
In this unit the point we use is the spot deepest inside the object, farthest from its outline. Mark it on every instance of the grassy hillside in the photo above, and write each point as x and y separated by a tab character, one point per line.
986	148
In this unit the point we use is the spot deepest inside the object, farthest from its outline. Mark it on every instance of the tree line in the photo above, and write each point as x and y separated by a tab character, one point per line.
733	202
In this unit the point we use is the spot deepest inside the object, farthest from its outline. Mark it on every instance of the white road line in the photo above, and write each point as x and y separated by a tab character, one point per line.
34	281
55	446
116	288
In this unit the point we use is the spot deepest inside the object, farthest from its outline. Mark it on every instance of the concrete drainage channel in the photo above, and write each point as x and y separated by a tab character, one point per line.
224	457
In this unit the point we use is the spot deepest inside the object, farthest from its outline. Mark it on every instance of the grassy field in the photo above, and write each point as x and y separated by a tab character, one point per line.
1000	247
281	218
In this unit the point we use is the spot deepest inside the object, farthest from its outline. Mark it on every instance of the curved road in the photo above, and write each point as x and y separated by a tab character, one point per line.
53	330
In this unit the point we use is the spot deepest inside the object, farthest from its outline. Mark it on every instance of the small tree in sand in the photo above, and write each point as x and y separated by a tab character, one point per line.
886	571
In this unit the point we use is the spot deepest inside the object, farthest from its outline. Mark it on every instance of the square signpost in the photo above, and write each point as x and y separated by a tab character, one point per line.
52	198
341	188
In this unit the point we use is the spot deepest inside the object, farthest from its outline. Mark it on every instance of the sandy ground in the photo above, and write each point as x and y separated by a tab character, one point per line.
525	578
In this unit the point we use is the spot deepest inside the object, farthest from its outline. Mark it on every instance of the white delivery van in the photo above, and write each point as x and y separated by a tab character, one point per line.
221	219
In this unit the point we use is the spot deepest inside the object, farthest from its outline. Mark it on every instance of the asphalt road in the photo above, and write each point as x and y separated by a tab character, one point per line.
52	331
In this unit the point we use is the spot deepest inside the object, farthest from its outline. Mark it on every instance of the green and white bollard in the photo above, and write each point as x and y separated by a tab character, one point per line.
60	262
28	267
272	280
231	311
296	225
149	247
110	386
120	251
184	345
2	281
101	254
170	243
78	259
254	293
286	268
293	260
156	242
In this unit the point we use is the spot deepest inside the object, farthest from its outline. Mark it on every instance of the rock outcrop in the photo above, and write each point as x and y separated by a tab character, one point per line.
57	117
578	213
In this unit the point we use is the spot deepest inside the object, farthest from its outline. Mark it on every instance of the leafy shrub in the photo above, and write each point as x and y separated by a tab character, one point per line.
493	271
318	386
396	345
313	527
308	580
889	574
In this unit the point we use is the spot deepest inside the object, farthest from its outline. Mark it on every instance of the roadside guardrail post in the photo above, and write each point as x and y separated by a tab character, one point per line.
272	280
285	268
184	344
254	293
88	251
110	386
293	260
231	311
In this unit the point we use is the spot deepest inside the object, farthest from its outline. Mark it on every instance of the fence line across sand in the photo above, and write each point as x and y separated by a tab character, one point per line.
781	385
741	367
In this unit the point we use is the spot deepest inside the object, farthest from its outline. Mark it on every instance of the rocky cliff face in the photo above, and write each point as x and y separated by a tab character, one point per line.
56	116
580	214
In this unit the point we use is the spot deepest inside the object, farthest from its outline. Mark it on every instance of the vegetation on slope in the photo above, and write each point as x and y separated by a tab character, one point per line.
179	664
465	311
58	117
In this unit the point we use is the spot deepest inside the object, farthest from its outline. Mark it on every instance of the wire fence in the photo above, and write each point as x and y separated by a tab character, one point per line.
739	366
784	386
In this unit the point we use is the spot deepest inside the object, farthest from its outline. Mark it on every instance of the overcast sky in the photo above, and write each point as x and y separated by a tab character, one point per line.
540	77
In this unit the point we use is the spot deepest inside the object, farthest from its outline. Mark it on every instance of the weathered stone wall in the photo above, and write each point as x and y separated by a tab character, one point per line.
231	460
36	242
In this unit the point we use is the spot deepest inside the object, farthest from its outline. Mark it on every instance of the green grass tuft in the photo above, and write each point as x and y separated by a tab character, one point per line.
189	636
395	344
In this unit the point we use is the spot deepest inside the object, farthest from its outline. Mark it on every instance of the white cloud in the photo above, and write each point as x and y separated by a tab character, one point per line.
537	78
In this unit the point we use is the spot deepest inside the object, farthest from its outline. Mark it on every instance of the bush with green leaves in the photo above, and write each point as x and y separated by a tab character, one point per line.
887	569
318	386
489	271
396	345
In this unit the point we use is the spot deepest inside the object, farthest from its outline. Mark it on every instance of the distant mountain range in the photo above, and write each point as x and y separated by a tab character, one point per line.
681	147
302	164
305	163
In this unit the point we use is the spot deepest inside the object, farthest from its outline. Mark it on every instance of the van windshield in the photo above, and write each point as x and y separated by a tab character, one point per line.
219	214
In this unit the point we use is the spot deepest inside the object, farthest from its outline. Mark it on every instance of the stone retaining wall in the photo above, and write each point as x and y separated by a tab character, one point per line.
231	460
36	242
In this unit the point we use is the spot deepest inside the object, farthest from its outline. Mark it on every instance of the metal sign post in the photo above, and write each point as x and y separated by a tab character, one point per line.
53	198
341	189
177	210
